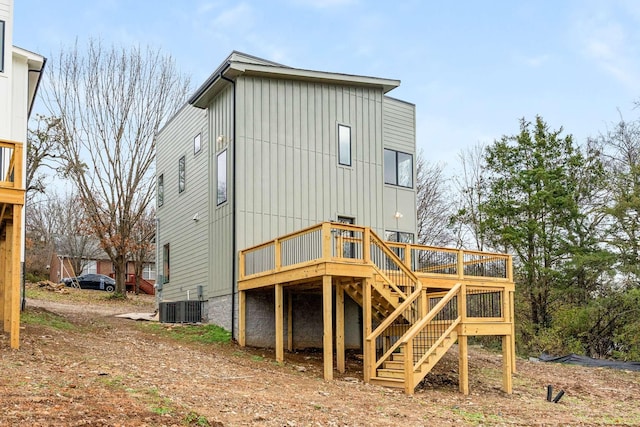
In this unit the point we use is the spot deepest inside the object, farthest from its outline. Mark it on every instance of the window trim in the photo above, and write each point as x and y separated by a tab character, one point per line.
397	169
3	27
197	143
219	200
166	252
397	234
160	190
340	142
182	174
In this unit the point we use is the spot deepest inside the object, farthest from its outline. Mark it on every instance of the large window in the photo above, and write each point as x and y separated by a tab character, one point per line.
90	268
398	168
222	177
161	190
1	46
344	145
182	177
165	263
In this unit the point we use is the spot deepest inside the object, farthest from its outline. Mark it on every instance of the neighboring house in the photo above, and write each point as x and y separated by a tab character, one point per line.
20	73
65	263
274	184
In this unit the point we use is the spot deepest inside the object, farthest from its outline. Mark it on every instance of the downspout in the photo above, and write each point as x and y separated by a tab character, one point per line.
234	244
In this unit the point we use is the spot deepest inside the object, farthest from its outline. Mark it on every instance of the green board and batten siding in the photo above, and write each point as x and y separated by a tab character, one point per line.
288	174
188	239
399	124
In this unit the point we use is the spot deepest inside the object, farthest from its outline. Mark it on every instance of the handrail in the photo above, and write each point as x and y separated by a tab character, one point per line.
391	254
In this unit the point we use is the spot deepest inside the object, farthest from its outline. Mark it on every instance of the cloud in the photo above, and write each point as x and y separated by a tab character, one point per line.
534	61
324	4
608	37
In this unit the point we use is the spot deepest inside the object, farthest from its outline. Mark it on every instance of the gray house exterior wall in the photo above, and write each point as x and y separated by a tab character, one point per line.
279	128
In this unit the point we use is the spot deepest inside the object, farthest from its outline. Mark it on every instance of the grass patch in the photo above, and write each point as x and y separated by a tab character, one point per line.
206	334
194	419
45	318
87	296
476	418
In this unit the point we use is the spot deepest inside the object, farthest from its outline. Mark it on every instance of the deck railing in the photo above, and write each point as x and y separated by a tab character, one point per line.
10	164
351	243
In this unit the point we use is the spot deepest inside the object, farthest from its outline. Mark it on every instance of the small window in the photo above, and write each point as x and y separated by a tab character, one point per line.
161	190
398	168
344	145
197	144
181	174
165	263
91	268
1	46
149	272
222	177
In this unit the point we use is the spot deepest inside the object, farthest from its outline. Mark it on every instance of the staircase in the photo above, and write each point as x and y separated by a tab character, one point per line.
409	340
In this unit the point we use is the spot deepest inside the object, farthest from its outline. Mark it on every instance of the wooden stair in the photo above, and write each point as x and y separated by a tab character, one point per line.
392	374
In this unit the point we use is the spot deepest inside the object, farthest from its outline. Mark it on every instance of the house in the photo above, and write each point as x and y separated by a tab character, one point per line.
274	185
76	255
20	73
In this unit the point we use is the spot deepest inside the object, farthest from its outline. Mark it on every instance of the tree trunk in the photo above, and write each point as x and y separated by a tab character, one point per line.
120	267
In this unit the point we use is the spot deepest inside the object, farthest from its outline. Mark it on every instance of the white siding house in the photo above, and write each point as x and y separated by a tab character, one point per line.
20	73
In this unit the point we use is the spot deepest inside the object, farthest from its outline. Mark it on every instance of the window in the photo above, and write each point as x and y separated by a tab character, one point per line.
181	174
165	263
91	268
197	144
161	190
1	46
222	177
344	145
398	236
149	272
398	168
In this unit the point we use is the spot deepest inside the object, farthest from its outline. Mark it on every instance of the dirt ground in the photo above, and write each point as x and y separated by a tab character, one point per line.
109	371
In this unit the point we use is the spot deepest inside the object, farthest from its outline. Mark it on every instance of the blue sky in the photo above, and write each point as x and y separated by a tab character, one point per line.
473	68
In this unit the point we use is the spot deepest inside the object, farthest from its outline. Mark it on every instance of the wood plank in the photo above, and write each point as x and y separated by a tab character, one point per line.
13	196
463	365
327	340
479	329
14	286
340	347
279	323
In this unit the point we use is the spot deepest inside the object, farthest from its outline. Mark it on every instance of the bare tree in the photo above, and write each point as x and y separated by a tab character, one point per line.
472	186
57	224
433	204
43	144
143	248
111	102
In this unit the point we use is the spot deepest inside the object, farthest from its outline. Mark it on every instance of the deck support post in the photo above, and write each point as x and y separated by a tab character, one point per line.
242	318
340	351
463	365
507	381
4	285
279	324
368	350
289	321
512	304
327	340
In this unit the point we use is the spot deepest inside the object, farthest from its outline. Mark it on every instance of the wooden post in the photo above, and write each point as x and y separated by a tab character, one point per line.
366	245
513	331
368	349
463	365
279	324
4	280
289	321
408	368
242	318
278	254
326	240
340	348
507	382
327	341
407	256
460	266
15	245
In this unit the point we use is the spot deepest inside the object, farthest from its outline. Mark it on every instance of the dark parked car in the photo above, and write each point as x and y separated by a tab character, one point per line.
92	281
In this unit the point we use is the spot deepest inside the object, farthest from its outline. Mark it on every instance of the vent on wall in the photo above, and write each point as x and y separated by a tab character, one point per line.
181	312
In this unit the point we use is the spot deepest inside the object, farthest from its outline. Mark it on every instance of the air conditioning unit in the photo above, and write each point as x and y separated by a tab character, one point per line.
181	311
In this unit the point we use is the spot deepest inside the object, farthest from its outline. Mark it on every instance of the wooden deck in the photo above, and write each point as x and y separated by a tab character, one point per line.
417	301
11	201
